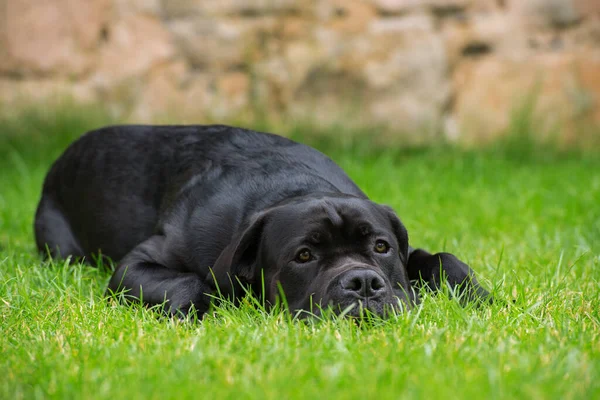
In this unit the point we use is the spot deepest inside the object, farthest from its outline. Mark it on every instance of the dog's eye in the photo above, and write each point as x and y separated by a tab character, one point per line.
381	247
303	256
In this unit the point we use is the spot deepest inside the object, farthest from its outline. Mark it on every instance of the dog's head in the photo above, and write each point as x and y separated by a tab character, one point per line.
321	251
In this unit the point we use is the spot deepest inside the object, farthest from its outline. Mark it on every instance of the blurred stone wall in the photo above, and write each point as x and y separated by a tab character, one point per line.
458	68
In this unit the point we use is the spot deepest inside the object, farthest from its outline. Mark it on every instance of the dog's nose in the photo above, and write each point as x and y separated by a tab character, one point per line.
363	283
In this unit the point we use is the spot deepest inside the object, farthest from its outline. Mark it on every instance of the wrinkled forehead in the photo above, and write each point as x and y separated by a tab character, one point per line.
336	216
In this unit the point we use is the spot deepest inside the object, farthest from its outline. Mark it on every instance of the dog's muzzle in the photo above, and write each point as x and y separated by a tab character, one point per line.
362	287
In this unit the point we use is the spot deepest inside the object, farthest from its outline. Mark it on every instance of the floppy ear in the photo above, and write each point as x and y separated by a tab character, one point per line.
401	276
400	232
236	264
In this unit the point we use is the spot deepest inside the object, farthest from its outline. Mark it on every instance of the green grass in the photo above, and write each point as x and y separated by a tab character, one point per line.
527	221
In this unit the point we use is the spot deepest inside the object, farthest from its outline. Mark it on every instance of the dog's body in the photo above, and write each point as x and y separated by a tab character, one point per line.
187	209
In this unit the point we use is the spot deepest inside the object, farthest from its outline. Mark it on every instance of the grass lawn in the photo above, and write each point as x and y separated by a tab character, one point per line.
527	221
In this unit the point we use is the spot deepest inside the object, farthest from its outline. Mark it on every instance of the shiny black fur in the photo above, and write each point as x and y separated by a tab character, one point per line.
191	210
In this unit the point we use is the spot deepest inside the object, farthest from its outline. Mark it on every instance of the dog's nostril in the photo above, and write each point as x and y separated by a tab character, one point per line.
377	283
355	284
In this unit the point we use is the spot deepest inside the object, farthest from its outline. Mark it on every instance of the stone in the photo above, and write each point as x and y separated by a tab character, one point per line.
160	96
57	37
481	35
403	6
545	14
346	16
205	42
406	69
134	45
416	66
587	9
562	89
486	6
210	8
300	57
222	44
270	85
584	36
330	95
145	7
291	28
402	25
198	98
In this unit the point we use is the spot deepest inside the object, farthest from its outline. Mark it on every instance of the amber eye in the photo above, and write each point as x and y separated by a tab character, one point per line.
381	247
303	256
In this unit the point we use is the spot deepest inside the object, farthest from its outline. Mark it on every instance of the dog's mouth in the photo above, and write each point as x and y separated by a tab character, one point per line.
360	290
352	290
358	309
366	310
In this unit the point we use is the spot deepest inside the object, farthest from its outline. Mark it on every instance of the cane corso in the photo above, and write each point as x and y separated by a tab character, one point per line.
192	211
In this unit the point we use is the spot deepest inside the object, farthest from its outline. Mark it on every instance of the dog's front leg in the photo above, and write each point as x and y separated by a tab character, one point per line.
143	275
435	269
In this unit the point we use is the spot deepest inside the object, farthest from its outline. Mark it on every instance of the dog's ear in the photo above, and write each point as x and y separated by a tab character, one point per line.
400	276
400	232
236	264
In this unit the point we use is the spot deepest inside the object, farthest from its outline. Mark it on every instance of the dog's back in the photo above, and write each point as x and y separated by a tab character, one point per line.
108	189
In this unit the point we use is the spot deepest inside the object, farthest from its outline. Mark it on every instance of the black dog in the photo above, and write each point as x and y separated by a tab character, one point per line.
189	209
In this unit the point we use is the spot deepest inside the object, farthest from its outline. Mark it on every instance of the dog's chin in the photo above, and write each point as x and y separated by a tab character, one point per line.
366	310
354	309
